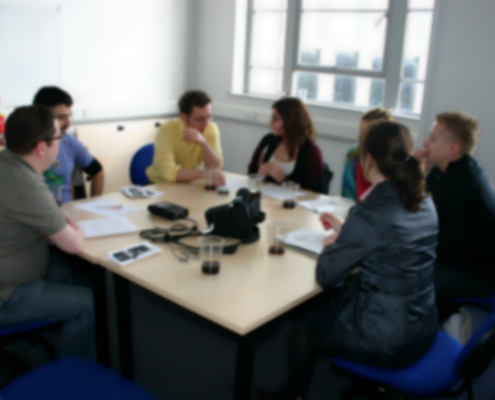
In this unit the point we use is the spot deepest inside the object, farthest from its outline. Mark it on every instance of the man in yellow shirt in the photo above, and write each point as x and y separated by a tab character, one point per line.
186	144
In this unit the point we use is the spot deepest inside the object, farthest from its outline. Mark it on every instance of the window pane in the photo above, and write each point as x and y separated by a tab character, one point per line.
421	4
270	4
416	45
345	4
267	39
265	81
339	89
361	34
411	97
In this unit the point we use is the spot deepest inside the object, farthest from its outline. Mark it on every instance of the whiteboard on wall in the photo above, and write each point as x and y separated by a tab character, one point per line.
29	51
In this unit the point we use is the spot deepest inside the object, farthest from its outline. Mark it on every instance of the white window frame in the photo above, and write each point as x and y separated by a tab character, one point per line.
391	66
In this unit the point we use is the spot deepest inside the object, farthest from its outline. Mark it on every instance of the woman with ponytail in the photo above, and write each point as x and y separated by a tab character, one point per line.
376	269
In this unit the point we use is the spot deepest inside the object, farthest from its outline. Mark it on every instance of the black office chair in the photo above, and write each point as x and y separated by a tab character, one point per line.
326	179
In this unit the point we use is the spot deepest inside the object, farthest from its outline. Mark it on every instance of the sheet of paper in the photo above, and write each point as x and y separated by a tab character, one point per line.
133	253
106	226
107	208
306	240
138	192
235	183
335	205
277	192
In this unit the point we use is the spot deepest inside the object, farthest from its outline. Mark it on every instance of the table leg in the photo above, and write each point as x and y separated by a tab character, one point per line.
124	323
244	367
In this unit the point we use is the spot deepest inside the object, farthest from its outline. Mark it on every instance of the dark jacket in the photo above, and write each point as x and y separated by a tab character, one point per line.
465	204
308	171
386	312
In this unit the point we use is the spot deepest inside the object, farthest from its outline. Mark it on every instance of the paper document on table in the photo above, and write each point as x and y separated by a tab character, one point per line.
335	205
138	192
235	183
133	253
106	226
278	192
306	240
107	208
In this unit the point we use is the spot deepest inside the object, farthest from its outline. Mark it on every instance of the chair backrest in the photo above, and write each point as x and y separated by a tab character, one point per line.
141	160
326	178
479	352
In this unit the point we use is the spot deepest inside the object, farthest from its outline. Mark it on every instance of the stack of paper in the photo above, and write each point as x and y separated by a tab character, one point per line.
335	205
306	240
106	226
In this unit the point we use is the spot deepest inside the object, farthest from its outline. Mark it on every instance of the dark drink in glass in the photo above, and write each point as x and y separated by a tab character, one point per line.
289	204
276	249
210	267
210	187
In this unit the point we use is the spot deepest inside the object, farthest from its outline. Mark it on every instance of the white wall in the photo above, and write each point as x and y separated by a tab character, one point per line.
117	58
461	62
461	76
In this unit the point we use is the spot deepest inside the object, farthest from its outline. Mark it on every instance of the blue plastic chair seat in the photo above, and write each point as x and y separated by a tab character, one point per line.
431	375
72	378
141	160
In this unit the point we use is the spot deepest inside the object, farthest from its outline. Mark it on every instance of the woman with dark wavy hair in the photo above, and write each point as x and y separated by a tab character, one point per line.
376	269
289	152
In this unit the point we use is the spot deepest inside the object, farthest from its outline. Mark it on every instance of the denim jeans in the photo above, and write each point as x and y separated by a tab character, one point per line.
56	298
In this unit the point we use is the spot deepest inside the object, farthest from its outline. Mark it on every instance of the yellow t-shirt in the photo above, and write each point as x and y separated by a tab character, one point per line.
172	152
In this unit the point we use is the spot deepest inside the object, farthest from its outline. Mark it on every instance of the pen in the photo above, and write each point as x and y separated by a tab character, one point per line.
116	207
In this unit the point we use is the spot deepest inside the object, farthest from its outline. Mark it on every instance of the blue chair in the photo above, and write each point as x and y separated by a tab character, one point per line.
141	160
448	367
72	378
29	331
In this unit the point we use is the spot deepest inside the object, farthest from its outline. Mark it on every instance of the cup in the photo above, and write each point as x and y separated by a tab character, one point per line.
290	190
276	231
209	175
210	253
254	183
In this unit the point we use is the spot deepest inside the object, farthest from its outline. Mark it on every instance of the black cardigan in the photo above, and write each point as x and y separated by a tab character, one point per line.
308	171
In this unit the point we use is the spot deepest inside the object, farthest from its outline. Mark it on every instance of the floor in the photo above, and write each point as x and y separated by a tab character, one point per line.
203	370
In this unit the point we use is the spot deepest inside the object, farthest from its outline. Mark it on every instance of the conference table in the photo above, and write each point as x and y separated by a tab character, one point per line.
252	289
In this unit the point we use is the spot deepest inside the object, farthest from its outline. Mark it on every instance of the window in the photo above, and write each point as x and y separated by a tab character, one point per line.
347	53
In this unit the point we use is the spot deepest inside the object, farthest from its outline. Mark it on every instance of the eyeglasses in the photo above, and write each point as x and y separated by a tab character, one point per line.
201	120
63	117
59	137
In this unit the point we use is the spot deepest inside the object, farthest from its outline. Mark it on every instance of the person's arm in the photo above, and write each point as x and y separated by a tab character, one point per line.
356	239
190	174
273	170
97	177
69	239
258	156
97	183
309	167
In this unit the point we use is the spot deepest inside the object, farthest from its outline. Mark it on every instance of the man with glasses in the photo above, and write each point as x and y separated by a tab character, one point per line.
72	152
185	144
33	284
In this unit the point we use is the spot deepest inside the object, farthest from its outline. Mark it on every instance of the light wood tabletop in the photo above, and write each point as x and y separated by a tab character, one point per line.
252	288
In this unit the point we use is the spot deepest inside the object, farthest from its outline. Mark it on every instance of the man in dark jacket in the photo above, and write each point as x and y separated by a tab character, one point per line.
465	204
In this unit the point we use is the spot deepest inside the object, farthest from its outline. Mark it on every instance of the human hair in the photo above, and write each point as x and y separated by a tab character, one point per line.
377	114
298	125
390	144
52	96
27	126
193	98
464	129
